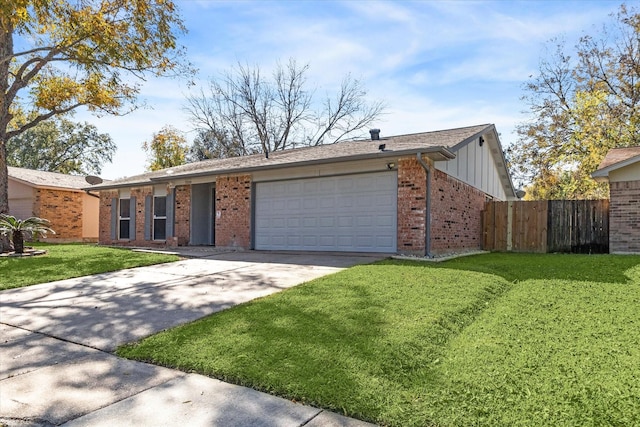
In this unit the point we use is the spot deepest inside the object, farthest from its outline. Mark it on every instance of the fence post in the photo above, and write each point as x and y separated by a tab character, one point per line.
509	226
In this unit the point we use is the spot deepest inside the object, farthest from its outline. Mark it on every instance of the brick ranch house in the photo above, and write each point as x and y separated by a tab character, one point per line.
57	197
419	194
621	169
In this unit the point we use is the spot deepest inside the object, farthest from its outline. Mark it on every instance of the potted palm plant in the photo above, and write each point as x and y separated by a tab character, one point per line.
16	229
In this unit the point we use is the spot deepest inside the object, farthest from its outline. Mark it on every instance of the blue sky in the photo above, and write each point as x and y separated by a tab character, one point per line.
436	64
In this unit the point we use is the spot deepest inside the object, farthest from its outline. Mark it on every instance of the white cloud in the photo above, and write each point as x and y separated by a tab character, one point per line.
437	64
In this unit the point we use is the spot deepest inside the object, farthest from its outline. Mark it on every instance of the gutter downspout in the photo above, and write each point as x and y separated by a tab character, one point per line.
427	214
91	194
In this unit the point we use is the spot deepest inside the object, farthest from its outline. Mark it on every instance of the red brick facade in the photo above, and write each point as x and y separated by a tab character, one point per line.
455	212
456	215
412	191
233	201
182	229
624	217
140	194
63	209
104	222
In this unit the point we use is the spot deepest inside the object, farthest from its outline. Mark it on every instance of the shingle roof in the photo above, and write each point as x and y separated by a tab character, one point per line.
38	178
616	158
617	155
438	145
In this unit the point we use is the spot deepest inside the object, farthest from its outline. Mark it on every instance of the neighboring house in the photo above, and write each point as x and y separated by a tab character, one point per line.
411	194
57	197
621	168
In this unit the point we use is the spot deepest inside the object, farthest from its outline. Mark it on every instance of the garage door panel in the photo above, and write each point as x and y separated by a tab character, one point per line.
327	241
385	221
327	222
294	222
310	241
345	213
310	203
345	221
309	222
294	241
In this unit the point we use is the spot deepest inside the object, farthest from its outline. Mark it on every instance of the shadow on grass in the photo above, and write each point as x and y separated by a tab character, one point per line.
64	261
101	312
518	267
364	342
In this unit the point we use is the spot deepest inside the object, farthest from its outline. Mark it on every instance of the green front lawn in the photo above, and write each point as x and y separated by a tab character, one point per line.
64	261
497	339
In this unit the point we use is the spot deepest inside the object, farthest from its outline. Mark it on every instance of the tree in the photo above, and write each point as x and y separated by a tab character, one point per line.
16	229
70	54
210	144
581	107
61	146
167	148
243	112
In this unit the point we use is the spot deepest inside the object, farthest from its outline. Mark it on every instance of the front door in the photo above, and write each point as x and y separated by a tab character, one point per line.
202	214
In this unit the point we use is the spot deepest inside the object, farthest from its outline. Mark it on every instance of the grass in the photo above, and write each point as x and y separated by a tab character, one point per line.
64	261
495	340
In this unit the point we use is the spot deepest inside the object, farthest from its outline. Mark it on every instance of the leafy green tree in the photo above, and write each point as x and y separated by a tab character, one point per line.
581	107
167	148
56	56
61	146
16	229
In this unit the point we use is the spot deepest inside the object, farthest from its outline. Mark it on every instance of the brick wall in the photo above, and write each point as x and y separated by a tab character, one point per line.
140	193
104	220
233	201
624	217
182	229
456	215
63	209
412	190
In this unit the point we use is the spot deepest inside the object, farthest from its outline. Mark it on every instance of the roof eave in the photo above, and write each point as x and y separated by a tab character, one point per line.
441	153
435	153
600	178
602	175
46	187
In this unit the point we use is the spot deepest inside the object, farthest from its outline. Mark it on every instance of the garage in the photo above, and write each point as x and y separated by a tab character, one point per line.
348	213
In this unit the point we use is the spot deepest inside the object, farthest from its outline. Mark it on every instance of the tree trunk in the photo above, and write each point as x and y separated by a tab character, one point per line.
18	242
6	51
4	193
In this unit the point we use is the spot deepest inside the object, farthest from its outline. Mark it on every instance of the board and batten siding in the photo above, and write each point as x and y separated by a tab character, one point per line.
476	166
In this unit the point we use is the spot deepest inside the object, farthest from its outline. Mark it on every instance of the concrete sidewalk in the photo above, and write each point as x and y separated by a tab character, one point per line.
56	366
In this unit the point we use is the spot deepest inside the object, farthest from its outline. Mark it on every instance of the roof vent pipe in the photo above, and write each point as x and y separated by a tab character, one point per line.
375	134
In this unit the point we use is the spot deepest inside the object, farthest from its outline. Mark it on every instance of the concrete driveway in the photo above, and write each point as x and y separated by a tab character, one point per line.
56	365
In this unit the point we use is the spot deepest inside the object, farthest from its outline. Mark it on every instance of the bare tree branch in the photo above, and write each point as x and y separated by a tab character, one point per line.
266	115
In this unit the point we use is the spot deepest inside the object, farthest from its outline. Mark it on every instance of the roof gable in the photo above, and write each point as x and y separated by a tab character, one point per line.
615	159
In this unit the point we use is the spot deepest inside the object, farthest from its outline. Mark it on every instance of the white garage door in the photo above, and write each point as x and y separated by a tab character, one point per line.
352	213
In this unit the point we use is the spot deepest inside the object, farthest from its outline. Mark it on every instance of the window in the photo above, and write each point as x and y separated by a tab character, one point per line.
124	218
159	218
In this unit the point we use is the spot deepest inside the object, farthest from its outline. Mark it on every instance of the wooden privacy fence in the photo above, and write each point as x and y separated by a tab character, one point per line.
577	226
